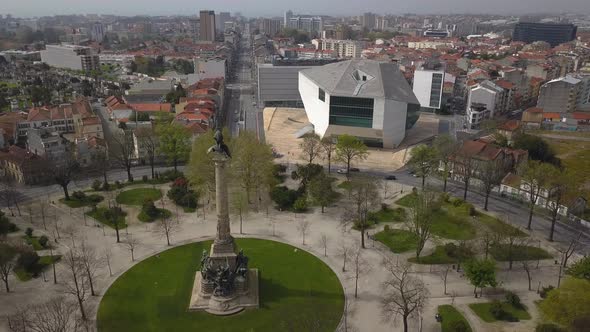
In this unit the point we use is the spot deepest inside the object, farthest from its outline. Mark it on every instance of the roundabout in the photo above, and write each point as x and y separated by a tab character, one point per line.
297	291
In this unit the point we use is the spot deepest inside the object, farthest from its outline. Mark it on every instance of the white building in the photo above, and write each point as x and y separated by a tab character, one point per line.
210	68
486	93
428	88
343	48
475	115
98	32
368	99
70	57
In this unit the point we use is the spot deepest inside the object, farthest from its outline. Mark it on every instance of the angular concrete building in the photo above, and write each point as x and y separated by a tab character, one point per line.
367	99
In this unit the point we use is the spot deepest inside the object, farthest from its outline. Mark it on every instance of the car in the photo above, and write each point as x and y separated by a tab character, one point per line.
391	177
354	169
341	171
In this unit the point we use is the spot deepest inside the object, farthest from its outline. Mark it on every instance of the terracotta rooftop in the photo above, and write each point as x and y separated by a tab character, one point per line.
510	125
164	107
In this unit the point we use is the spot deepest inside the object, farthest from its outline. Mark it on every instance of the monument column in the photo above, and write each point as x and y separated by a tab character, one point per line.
223	236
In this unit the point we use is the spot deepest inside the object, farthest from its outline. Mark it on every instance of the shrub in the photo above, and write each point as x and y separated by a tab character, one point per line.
118	184
456	202
43	240
29	261
513	299
176	193
545	290
79	195
386	228
458	326
149	208
189	200
29	232
445	197
496	309
451	249
144	178
170	175
96	185
300	204
284	197
548	327
470	209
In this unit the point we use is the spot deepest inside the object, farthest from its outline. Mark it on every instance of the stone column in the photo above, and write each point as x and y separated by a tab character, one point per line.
223	245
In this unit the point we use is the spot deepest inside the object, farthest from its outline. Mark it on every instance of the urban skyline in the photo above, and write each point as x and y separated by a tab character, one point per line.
270	8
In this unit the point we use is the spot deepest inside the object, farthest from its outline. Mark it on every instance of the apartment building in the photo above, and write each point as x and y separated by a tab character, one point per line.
70	57
343	48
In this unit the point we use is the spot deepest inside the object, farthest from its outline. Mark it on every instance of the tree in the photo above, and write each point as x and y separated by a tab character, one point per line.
122	152
321	192
562	186
345	252
364	197
240	205
7	263
252	164
445	147
63	172
404	294
360	266
131	243
349	149
90	264
148	142
422	161
56	315
465	167
537	148
116	216
491	175
100	161
77	283
568	303
166	227
444	274
481	273
311	147
511	241
174	141
580	269
324	243
526	266
201	168
303	228
534	177
108	254
419	218
328	146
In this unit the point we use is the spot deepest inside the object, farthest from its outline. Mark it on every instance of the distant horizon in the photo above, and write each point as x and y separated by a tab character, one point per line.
269	8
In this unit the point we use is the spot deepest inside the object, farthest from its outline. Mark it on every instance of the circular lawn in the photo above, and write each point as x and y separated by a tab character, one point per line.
138	196
298	292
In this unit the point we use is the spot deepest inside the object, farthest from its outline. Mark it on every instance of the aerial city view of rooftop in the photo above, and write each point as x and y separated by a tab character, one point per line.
260	166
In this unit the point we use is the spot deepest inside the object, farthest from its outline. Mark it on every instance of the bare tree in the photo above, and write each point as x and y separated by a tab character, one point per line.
534	177
240	206
10	195
63	172
123	152
526	265
71	231
43	211
148	141
131	243
90	264
444	274
101	162
8	255
77	284
405	295
311	147
328	148
446	147
53	264
491	175
486	240
512	240
303	228
324	243
166	227
364	197
345	252
419	218
360	266
466	168
108	254
571	248
563	187
56	315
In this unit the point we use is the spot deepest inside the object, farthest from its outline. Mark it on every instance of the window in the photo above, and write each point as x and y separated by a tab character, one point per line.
353	112
321	94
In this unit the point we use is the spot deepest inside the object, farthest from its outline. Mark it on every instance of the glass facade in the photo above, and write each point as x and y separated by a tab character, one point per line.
321	94
412	115
435	90
352	112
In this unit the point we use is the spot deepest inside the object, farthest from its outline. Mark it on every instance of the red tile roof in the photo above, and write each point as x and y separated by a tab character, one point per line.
504	84
581	115
510	125
164	107
534	110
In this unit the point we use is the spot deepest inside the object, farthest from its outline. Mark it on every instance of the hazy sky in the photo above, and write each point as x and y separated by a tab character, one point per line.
274	7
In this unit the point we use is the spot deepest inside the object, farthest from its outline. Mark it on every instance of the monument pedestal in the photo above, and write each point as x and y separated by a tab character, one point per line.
240	299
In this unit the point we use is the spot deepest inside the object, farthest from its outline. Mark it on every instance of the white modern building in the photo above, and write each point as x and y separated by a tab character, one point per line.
368	99
70	57
343	48
475	115
486	93
428	88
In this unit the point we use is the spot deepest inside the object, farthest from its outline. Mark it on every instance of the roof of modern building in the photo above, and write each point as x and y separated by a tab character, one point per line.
363	78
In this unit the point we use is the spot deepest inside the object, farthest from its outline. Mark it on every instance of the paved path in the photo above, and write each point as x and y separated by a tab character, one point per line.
366	315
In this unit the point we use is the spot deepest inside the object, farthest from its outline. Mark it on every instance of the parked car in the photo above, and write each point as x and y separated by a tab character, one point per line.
391	177
341	171
354	169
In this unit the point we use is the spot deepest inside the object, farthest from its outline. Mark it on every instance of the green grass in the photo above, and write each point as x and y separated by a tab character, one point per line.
34	242
296	288
99	215
500	252
407	201
398	240
388	215
449	315
346	185
44	261
498	226
138	195
574	155
438	256
88	201
482	310
162	214
189	209
453	223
